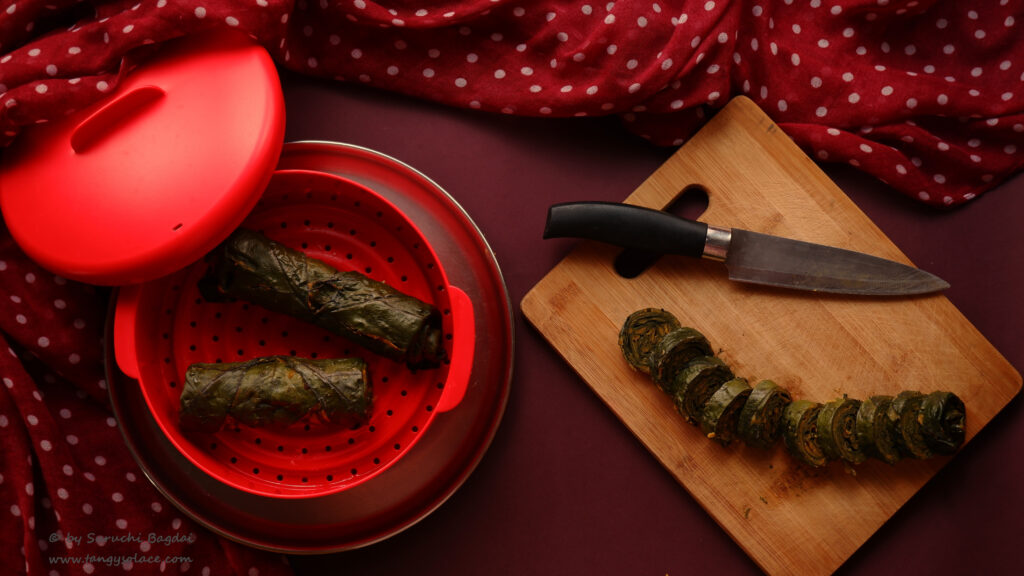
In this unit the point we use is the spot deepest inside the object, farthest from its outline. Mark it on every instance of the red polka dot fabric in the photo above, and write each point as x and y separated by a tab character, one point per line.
927	95
73	500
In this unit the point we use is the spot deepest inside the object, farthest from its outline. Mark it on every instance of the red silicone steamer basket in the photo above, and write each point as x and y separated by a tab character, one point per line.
163	326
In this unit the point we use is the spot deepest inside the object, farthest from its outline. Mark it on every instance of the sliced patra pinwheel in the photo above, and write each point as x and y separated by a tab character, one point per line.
641	332
696	383
760	419
943	421
837	431
800	432
674	352
721	412
876	429
909	432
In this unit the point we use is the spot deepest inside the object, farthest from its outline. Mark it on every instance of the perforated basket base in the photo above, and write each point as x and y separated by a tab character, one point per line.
350	228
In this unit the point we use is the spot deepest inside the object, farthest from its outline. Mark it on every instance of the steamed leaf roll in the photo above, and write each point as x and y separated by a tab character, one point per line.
275	391
251	267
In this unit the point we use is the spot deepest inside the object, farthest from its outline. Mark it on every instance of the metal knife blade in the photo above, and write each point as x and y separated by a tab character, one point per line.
749	256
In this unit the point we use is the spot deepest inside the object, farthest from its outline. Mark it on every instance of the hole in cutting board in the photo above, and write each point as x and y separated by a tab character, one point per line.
690	203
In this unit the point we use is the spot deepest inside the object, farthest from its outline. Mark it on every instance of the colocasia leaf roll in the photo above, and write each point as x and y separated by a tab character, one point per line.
681	362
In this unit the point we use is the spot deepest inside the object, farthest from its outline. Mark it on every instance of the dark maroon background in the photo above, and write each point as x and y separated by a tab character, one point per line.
565	488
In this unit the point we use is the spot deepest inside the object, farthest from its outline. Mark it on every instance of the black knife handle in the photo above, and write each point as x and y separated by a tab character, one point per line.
627	226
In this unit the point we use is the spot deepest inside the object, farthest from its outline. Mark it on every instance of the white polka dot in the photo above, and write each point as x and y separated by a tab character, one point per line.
887	90
156	507
62	494
68	470
32	419
795	59
15	510
854	98
200	12
72	439
821	111
117	497
866	148
100	461
911	102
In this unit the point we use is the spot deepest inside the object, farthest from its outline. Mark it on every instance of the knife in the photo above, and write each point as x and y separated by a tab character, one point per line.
748	256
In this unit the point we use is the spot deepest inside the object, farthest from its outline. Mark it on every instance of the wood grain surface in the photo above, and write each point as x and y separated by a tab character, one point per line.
789	518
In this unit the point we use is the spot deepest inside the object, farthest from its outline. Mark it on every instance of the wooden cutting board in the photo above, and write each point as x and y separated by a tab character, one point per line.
790	519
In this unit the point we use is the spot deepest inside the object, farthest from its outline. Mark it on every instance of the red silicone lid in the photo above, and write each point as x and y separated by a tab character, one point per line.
151	178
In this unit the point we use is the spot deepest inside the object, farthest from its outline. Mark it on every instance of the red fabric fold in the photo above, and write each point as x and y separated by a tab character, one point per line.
927	95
